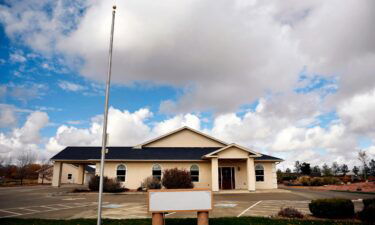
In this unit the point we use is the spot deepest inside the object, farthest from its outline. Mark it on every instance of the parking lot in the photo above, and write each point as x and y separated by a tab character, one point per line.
60	203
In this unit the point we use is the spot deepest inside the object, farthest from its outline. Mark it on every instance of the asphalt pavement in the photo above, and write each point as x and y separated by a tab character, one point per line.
61	203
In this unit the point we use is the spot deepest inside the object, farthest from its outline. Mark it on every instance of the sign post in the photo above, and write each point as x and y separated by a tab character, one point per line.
180	200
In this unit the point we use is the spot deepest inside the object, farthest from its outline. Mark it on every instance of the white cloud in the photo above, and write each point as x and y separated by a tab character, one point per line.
222	54
25	138
358	112
124	128
222	61
17	57
69	86
24	92
261	130
7	115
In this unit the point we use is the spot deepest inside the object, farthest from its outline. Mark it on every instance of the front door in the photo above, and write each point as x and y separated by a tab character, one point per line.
226	178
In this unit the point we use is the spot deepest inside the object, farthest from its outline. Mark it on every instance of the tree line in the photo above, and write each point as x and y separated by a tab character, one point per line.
366	169
23	166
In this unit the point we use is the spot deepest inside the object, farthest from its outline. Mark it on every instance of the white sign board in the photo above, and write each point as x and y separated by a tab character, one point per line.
173	200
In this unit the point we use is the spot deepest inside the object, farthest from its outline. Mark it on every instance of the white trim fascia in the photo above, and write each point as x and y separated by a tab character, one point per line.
268	160
210	155
178	130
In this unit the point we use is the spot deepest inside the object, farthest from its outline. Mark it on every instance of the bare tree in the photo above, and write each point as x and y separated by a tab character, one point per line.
46	172
23	160
363	158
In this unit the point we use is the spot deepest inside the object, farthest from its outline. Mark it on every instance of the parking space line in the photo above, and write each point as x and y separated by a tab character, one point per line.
248	208
48	207
32	210
6	211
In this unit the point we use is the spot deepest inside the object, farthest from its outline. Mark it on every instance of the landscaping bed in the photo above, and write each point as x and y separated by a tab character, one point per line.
189	221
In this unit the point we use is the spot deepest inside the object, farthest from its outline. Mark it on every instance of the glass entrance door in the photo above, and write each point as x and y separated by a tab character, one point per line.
226	178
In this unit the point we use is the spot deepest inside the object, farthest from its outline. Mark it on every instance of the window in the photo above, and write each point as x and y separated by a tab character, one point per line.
194	173
69	176
259	172
156	171
121	173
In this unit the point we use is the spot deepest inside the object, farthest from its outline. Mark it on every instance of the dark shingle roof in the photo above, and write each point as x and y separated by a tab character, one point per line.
267	157
130	153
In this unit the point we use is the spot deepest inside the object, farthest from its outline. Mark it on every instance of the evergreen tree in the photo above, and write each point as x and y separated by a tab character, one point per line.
355	170
326	170
297	167
335	168
305	168
316	172
344	169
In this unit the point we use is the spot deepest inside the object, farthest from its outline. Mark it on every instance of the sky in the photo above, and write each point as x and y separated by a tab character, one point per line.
293	79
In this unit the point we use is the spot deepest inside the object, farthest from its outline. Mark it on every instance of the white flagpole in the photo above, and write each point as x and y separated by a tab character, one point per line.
105	136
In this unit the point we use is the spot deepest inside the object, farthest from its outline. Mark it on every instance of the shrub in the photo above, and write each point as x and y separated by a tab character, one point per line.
332	208
109	185
304	180
289	178
368	211
94	183
151	183
80	190
346	179
290	212
330	180
316	181
175	178
369	201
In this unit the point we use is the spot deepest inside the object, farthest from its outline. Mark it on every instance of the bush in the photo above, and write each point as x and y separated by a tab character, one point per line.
369	201
175	178
330	180
151	183
316	181
304	180
368	212
109	185
332	208
290	212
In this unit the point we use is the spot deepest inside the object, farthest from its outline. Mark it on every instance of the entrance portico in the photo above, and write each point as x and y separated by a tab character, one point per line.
232	167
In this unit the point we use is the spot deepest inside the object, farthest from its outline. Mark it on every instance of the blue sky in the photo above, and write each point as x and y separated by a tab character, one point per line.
261	78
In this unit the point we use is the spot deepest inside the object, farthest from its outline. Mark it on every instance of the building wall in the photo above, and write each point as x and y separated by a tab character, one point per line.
185	138
138	171
270	179
233	153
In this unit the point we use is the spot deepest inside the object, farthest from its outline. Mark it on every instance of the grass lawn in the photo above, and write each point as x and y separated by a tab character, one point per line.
213	221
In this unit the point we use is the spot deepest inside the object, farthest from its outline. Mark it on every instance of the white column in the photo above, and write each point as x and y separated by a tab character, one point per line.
57	169
250	174
80	174
215	174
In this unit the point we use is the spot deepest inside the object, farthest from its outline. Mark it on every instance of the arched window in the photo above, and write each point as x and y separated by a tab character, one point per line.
194	173
121	173
156	171
259	172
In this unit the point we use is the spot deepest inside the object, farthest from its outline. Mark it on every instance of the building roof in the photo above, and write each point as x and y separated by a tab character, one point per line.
267	157
148	153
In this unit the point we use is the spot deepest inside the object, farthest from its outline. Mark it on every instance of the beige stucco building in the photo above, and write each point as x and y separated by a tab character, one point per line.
212	163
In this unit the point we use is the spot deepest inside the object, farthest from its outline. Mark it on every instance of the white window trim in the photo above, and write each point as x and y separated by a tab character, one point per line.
161	170
199	169
259	175
126	171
